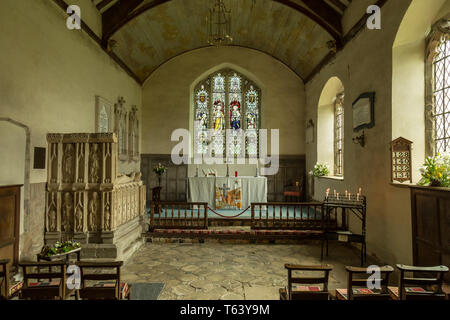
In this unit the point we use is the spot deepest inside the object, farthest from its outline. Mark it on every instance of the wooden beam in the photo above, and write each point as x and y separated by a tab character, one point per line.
338	4
103	4
116	15
326	13
358	27
333	27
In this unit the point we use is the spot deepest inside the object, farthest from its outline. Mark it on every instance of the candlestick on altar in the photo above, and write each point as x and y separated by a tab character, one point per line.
349	195
359	191
357	197
338	195
346	192
335	192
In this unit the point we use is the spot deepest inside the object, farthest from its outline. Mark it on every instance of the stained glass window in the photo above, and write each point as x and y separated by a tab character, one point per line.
339	135
201	117
441	90
251	117
234	105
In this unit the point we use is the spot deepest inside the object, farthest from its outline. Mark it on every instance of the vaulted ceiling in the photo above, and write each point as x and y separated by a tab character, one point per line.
146	33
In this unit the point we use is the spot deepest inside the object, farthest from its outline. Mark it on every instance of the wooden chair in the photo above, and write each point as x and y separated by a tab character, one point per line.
53	288
294	192
357	287
306	292
106	286
415	288
7	290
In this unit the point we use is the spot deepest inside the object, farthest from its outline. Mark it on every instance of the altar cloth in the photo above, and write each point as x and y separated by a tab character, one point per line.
209	189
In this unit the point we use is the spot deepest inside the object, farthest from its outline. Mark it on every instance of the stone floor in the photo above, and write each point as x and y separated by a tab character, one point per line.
212	271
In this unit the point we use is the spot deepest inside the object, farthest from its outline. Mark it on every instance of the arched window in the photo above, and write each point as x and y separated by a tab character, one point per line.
330	127
437	84
441	93
227	100
339	135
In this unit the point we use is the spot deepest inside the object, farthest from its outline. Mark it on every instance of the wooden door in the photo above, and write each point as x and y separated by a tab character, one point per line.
9	223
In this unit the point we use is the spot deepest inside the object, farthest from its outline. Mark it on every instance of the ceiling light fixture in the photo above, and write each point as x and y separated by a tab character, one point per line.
218	23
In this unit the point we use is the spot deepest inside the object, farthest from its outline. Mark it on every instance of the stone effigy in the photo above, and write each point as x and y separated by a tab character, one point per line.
87	200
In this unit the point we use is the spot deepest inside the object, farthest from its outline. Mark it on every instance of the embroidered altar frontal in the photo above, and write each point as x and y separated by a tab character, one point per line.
226	193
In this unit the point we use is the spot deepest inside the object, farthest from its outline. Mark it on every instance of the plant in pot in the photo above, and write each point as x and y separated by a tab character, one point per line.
320	170
159	170
436	171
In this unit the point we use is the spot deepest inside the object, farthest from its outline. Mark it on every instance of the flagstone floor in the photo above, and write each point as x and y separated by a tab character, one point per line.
213	271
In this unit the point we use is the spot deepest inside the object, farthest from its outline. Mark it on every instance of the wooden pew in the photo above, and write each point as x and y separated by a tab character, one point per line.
106	286
427	287
357	287
306	292
53	288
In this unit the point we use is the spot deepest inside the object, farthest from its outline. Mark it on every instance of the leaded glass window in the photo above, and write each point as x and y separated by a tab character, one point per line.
441	90
234	105
339	135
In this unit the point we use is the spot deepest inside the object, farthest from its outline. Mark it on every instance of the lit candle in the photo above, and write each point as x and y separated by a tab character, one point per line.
338	195
346	192
359	191
349	196
335	192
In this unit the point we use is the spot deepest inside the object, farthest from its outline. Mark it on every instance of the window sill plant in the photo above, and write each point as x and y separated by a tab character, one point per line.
436	171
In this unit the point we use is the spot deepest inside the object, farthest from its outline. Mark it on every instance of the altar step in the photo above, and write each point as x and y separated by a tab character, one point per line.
242	235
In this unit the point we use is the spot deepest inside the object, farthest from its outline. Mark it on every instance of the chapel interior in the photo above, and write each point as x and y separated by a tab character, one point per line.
225	149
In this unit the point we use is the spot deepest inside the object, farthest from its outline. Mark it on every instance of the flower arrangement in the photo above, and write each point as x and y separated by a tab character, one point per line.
60	247
436	171
159	170
320	170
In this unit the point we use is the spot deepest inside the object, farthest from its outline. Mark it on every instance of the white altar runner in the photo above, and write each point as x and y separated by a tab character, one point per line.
227	193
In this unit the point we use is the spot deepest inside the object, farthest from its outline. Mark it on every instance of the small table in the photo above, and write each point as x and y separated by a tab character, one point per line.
60	255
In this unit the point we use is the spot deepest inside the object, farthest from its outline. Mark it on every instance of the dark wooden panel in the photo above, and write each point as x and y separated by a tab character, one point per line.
173	182
431	226
9	222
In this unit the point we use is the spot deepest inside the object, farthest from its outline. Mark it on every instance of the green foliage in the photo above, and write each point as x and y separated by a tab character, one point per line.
60	247
320	170
436	171
159	169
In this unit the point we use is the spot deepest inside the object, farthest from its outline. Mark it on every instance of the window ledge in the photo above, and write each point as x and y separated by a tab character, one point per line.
332	178
412	185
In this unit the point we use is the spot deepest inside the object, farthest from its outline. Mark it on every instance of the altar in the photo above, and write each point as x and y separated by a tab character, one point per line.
227	193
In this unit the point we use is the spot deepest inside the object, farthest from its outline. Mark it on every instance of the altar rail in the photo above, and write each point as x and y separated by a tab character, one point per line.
287	215
178	215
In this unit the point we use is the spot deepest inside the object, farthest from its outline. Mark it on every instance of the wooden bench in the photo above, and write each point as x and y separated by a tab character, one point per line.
105	286
53	288
427	287
295	292
357	287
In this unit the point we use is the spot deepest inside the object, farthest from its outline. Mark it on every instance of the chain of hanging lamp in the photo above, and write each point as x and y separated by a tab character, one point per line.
218	23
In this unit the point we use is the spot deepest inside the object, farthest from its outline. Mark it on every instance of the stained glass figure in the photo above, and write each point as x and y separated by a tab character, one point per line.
251	99
201	116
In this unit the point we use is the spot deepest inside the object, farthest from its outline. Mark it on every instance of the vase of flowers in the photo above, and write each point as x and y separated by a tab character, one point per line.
159	170
320	170
436	171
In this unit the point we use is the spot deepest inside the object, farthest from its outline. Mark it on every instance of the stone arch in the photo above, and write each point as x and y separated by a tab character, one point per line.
412	99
